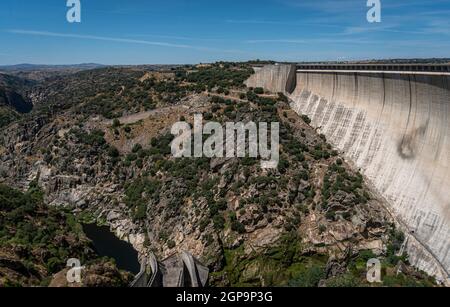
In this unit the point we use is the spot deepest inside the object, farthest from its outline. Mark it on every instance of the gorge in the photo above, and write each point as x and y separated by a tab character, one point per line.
394	128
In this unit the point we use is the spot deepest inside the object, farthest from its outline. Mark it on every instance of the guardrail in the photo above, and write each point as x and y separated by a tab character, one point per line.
413	68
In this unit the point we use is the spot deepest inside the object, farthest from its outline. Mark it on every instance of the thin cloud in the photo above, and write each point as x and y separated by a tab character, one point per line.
350	42
181	38
327	6
100	38
352	6
282	23
417	12
287	41
310	41
118	40
366	29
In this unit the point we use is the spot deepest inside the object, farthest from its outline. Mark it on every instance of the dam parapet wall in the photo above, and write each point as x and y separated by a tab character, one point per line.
395	129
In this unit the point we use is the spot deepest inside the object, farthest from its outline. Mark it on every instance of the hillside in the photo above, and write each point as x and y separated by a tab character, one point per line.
36	241
13	98
42	72
98	143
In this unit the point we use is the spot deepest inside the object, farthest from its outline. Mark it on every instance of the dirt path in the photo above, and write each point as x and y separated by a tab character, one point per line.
134	118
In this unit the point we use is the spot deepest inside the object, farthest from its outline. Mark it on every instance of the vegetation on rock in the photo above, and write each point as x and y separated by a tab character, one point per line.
36	240
104	136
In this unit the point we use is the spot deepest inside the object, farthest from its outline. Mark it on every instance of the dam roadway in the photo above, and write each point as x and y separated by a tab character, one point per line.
392	122
411	69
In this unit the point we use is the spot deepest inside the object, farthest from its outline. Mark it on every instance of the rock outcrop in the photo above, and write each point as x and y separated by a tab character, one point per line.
314	217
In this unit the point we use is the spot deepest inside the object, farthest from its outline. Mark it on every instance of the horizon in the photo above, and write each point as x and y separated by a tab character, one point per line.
254	60
181	32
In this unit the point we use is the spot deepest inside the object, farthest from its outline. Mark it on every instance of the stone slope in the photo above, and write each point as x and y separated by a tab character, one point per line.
311	222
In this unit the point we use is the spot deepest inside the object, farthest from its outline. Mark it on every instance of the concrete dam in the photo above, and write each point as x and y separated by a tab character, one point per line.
393	124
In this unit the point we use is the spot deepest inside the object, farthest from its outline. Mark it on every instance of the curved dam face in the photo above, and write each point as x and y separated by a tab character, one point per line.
395	128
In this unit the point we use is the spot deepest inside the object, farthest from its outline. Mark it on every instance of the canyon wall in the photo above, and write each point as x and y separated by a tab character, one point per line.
394	128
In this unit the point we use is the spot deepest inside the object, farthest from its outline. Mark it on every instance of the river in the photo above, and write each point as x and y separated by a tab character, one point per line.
106	244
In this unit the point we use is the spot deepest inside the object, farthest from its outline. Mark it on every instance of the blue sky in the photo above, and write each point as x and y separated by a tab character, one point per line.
194	31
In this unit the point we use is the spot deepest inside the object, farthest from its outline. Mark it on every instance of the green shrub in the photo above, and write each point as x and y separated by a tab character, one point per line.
203	224
309	278
322	229
131	157
134	196
330	215
171	244
7	116
161	145
219	222
238	227
282	97
95	138
116	123
251	96
343	281
137	148
113	152
140	211
259	91
306	119
54	265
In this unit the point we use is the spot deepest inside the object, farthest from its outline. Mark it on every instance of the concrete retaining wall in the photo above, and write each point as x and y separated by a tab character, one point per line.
274	78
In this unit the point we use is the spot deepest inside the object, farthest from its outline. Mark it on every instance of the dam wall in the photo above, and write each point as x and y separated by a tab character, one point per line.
395	129
274	78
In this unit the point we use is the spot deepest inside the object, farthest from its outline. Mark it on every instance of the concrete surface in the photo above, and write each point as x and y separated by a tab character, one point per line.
178	270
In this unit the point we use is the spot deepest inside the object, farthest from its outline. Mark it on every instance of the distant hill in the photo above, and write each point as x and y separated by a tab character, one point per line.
34	67
43	72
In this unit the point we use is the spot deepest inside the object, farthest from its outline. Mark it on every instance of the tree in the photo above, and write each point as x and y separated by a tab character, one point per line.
259	91
116	123
306	119
238	227
137	148
309	278
113	152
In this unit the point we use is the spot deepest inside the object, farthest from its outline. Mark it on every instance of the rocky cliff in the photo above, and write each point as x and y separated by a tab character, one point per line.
98	144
